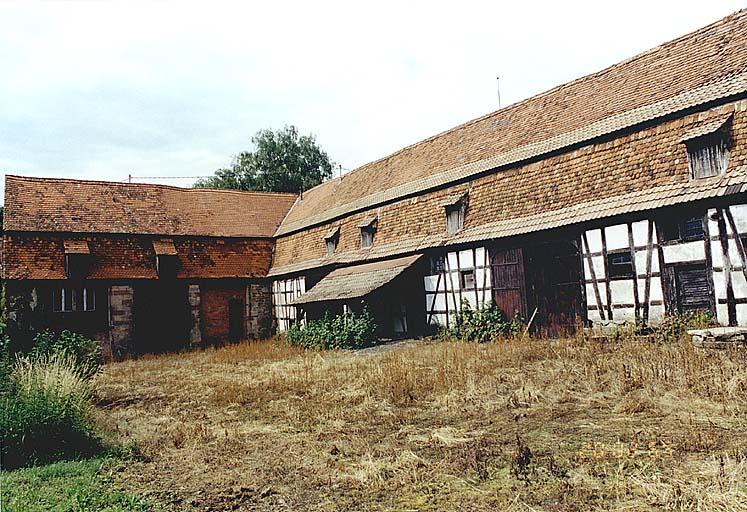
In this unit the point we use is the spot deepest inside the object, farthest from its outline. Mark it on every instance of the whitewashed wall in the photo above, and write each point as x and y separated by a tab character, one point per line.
284	291
444	293
729	266
621	295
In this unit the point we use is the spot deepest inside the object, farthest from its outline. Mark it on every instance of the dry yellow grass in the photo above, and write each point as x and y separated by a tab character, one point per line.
521	425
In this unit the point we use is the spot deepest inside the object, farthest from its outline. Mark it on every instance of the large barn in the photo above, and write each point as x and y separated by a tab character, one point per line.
618	197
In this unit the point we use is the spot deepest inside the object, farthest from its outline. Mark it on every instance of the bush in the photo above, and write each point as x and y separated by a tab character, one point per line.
48	414
348	330
482	325
673	327
84	352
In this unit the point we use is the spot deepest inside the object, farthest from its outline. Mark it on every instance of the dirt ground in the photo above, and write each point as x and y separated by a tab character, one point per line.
520	425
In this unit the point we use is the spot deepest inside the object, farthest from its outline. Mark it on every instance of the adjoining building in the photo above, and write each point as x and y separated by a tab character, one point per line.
141	268
618	197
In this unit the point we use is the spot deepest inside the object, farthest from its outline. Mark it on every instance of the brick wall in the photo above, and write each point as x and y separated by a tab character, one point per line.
214	299
634	161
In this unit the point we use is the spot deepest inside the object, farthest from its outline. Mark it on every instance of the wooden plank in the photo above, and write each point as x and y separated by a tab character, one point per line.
668	286
631	244
593	274
647	284
474	266
738	241
731	305
607	287
709	264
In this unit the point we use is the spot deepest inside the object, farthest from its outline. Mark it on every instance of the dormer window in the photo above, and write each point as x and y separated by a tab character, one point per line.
331	239
77	258
166	258
368	231
456	207
707	148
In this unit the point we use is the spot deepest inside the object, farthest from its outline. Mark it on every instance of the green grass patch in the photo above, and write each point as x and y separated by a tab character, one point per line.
72	486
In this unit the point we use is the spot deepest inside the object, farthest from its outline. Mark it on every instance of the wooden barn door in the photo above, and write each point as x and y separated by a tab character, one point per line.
555	277
509	285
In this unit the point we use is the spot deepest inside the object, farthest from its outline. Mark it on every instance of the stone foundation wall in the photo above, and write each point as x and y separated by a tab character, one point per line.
120	319
260	310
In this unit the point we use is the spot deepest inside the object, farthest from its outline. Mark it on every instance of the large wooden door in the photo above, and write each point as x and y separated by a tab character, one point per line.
509	285
555	279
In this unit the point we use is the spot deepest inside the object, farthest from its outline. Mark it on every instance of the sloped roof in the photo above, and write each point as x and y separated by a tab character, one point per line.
733	182
703	66
81	206
355	282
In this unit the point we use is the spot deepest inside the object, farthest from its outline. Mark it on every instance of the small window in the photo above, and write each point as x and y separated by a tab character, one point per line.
454	218
620	265
456	207
67	299
331	239
468	279
167	266
367	236
438	265
368	231
331	245
707	156
677	229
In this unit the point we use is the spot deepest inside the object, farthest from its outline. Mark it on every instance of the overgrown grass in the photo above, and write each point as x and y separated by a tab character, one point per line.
83	485
522	425
47	415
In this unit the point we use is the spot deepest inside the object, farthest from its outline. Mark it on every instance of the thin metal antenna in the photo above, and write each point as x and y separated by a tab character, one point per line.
498	81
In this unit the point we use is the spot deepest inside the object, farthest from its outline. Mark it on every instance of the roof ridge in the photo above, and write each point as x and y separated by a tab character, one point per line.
694	33
156	185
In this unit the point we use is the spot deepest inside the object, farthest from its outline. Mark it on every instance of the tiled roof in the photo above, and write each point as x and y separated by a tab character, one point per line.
78	206
733	182
76	247
164	247
706	128
704	66
42	256
356	281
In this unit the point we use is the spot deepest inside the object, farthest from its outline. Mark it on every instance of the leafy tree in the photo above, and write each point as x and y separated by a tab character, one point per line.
282	161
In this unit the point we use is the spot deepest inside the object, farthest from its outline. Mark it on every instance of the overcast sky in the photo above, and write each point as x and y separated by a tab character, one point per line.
107	89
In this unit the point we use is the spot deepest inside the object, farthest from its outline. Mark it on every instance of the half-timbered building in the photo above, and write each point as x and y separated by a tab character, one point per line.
618	197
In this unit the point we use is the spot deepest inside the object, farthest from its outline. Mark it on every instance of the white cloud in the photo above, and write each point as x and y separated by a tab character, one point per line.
102	90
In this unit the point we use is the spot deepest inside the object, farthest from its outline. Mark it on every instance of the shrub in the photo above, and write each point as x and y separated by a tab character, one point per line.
349	330
84	352
673	327
482	325
47	416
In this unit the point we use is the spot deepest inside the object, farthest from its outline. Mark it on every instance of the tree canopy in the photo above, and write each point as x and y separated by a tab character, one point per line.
281	161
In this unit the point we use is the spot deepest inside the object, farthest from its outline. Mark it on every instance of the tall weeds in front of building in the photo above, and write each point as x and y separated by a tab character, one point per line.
45	400
348	330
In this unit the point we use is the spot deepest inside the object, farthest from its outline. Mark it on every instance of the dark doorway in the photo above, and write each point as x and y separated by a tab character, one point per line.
554	271
509	284
235	319
161	317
